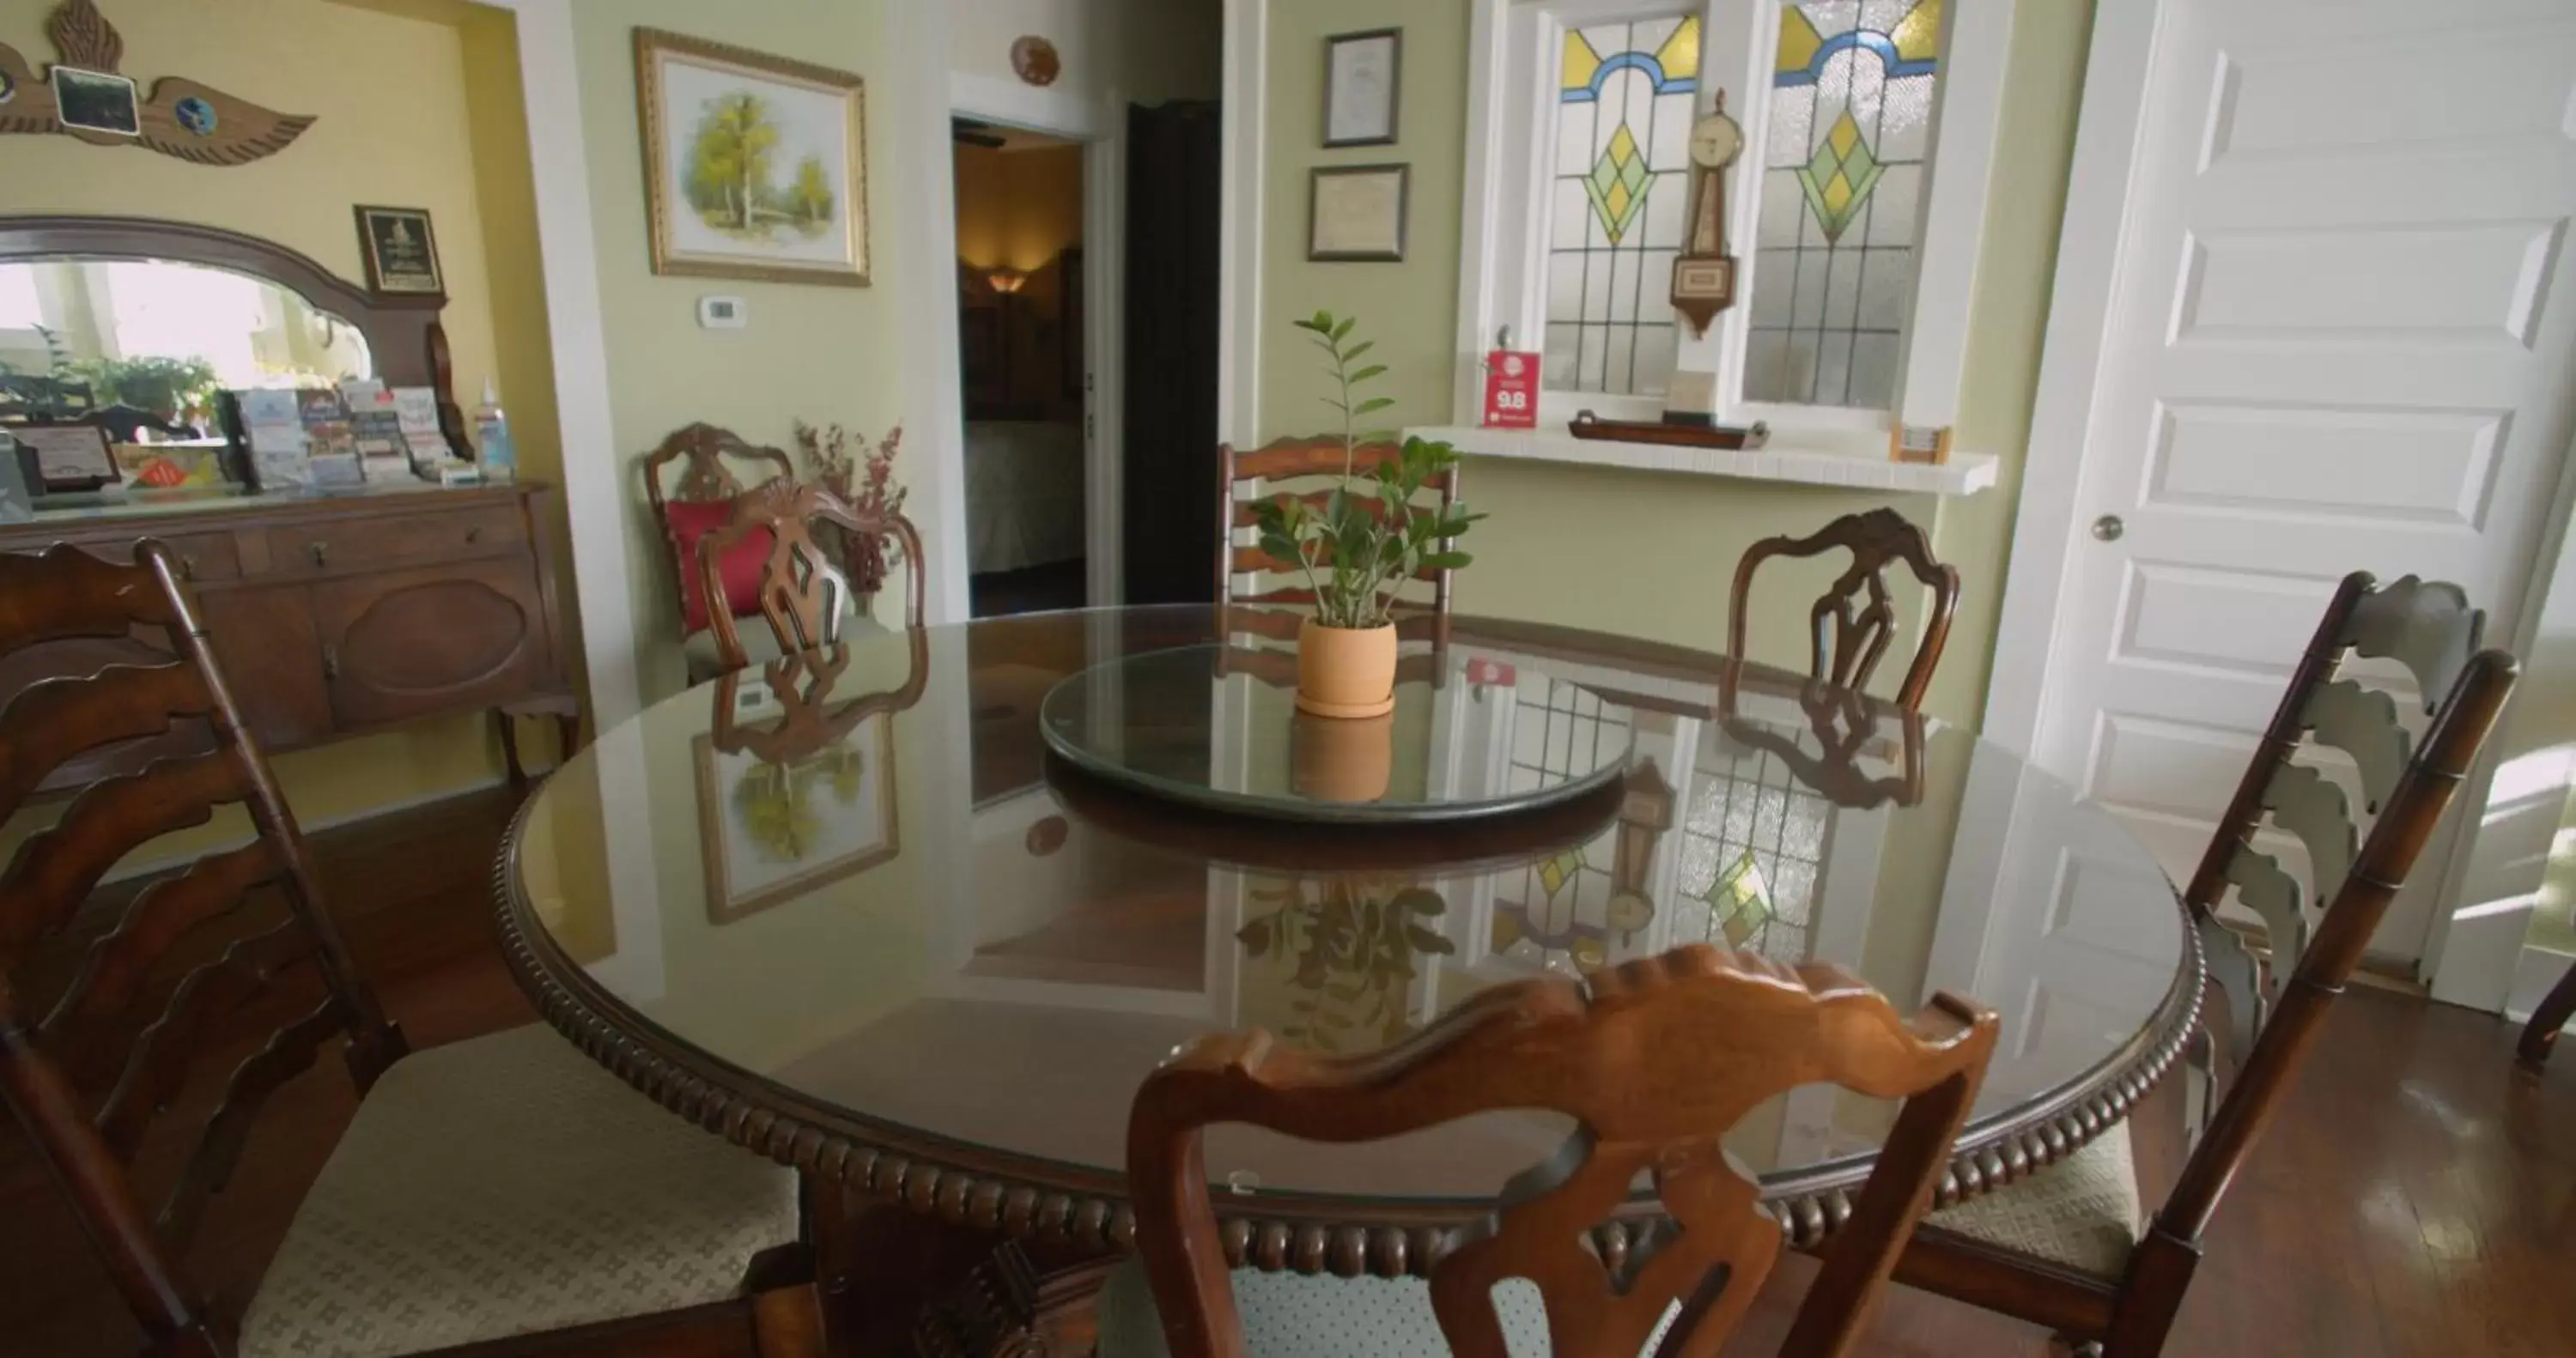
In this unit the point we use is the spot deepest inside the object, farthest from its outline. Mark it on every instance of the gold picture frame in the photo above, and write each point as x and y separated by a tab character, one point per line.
798	212
851	834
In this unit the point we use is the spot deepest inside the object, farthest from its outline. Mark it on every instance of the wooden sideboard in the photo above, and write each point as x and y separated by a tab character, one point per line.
335	616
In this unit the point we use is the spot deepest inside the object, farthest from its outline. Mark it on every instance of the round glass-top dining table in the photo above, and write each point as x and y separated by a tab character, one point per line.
847	910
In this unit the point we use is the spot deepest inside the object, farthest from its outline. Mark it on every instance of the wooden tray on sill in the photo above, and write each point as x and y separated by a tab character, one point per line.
1587	425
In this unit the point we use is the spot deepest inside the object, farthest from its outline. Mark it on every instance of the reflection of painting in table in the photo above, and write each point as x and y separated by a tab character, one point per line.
771	832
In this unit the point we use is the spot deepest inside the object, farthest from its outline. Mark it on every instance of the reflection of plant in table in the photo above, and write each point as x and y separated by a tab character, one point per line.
775	801
1351	948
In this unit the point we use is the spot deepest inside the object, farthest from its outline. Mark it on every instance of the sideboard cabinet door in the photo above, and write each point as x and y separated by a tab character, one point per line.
264	638
405	644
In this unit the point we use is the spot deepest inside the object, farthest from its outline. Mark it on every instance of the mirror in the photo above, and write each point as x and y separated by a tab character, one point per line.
160	336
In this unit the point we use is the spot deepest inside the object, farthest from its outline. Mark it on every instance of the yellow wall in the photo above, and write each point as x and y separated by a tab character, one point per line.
1017	209
389	86
814	352
1141	51
1649	554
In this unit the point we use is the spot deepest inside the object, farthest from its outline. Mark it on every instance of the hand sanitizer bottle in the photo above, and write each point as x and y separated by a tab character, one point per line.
500	461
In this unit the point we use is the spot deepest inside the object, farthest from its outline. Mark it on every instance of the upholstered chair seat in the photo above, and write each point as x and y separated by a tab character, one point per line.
2083	1213
504	1186
1288	1315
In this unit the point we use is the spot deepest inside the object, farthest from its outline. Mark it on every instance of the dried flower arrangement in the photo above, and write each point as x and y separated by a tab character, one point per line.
869	488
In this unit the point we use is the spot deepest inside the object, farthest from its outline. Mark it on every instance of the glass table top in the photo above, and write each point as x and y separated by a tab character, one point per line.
850	876
1167	723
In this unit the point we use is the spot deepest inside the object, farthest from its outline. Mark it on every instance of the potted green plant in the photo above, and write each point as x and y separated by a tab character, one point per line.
1362	543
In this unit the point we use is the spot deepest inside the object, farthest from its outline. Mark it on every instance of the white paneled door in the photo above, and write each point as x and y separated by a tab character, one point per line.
2340	333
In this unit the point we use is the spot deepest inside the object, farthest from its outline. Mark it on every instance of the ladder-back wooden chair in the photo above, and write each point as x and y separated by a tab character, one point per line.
1269	614
804	598
1611	1052
2073	1249
694	501
504	1194
1846	645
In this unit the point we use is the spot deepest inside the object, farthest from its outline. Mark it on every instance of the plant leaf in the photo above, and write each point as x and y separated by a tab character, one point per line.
1372	404
1364	374
1341	328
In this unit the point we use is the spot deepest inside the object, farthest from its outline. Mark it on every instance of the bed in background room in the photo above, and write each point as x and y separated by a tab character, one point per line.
1023	494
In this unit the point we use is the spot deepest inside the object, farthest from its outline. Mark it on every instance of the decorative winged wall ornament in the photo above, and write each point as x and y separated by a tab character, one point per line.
83	95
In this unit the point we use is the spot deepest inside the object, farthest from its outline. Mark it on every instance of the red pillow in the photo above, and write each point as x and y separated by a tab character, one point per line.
739	566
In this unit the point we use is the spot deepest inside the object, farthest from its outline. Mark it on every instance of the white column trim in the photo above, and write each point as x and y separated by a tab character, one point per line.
923	174
1975	52
595	503
2089	248
1016	103
1247	116
1104	284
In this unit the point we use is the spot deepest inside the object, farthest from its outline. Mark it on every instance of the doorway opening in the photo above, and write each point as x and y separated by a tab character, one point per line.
1023	367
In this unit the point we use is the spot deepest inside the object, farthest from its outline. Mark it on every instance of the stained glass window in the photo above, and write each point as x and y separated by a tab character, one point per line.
1562	912
1618	202
1753	851
1843	171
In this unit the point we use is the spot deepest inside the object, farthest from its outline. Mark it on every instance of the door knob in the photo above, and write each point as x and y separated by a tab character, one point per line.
2108	528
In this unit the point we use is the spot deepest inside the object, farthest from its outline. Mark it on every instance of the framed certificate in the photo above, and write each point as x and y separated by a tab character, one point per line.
1361	85
1357	213
69	456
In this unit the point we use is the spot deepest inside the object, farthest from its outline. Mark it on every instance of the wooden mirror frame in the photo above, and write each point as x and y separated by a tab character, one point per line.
405	341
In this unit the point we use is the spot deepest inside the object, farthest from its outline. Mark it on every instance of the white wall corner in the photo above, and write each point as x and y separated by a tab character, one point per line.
1017	103
594	486
1239	272
923	173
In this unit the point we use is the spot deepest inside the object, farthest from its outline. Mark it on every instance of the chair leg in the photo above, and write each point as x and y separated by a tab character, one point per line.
787	1322
510	746
2151	1295
2552	1015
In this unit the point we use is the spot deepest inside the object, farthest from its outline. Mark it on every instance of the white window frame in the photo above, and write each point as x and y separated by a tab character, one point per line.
1513	52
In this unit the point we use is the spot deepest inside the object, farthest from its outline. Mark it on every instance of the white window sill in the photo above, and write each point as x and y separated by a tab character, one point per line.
1964	474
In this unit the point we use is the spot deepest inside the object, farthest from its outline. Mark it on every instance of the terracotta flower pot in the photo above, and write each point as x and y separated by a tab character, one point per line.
1345	671
1341	759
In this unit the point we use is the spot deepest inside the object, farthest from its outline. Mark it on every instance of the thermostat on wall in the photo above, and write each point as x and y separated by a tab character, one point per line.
723	313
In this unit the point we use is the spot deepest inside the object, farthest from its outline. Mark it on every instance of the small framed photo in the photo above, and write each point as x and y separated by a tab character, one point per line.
1358	212
69	456
400	251
96	101
1362	80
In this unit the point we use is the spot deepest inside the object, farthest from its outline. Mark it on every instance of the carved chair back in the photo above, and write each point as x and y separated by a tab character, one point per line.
89	1062
2356	863
1599	1050
1852	732
1846	645
800	683
702	452
1239	567
803	596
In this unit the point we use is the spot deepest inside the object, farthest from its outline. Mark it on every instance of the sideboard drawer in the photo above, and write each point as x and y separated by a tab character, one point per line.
343	544
202	556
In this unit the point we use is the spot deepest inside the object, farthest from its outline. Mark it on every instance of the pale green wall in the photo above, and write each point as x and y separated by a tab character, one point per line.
1644	553
811	352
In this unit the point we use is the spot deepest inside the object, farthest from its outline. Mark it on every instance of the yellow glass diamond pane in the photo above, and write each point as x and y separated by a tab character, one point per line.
1623	147
1844	136
1616	200
1837	195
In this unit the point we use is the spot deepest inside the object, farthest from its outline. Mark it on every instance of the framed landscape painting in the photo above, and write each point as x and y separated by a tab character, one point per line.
754	166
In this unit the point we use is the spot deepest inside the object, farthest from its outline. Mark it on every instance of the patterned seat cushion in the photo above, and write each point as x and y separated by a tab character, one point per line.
505	1186
1288	1315
2083	1212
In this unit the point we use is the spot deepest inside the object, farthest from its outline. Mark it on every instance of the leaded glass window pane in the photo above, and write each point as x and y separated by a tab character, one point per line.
1618	202
1567	912
1843	167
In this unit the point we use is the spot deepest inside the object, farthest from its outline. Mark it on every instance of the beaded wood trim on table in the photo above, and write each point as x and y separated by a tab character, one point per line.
1027	1199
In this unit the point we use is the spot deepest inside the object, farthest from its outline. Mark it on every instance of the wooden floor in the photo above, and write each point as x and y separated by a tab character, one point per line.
2417	1195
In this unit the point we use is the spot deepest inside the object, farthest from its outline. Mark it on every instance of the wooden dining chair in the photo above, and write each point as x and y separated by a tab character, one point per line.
2072	1248
803	596
800	687
691	480
1602	1050
1240	567
2554	1012
499	1195
1846	645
